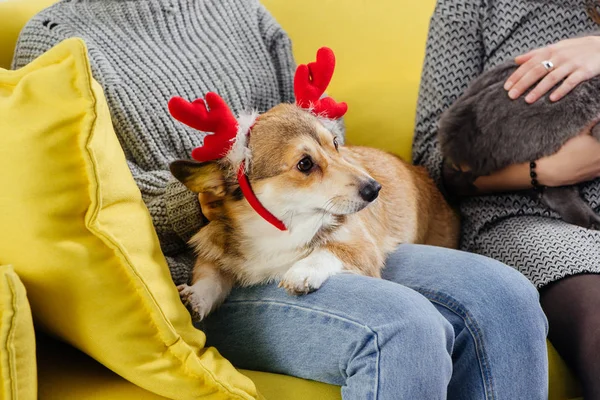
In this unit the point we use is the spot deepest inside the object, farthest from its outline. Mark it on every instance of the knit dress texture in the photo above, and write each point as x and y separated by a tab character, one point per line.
467	37
143	52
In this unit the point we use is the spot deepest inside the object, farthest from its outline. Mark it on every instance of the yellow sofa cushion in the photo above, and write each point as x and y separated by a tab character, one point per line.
13	16
68	374
77	232
563	384
379	48
18	375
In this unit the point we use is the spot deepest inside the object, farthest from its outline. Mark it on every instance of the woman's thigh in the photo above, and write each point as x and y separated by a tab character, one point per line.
543	249
382	337
376	338
500	328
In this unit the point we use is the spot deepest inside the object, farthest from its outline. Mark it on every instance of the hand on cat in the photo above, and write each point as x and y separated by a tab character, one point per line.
575	60
577	161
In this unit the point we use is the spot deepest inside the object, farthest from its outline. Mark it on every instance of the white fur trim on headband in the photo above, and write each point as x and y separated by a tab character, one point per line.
335	126
239	150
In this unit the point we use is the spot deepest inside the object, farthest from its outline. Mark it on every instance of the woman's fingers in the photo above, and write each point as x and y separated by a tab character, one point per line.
532	72
526	62
516	76
523	58
549	81
573	80
574	61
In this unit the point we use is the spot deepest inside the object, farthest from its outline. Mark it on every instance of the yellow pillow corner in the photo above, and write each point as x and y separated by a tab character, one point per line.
86	249
18	373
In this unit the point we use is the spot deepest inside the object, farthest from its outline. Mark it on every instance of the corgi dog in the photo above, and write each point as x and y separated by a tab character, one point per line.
289	203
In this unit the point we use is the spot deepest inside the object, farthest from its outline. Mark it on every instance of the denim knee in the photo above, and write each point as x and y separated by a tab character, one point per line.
417	324
422	325
483	287
405	352
513	297
388	311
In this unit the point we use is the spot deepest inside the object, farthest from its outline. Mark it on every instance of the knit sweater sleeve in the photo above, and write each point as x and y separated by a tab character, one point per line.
175	210
454	56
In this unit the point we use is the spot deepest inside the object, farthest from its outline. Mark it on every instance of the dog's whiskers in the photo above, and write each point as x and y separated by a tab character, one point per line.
326	210
289	217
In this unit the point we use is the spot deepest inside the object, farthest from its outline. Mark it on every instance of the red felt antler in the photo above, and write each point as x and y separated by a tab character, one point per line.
219	120
311	81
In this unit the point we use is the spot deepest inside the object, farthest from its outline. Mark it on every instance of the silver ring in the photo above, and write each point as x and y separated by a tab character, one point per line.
548	65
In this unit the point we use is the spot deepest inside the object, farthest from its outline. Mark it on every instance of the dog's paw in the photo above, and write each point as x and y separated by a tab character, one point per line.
198	305
308	274
299	283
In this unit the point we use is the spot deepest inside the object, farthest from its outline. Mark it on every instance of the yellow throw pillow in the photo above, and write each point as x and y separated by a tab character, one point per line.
78	234
379	46
17	340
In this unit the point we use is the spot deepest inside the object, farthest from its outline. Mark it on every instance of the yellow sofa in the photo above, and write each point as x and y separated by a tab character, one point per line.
380	48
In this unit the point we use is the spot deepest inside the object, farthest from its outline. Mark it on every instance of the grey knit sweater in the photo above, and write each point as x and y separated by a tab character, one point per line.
143	52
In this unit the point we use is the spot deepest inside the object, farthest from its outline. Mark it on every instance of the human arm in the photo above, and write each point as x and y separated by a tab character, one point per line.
577	161
454	57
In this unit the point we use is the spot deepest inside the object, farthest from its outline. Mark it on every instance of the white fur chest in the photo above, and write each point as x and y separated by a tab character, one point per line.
269	253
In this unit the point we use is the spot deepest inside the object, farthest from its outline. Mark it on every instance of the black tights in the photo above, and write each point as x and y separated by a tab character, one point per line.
572	306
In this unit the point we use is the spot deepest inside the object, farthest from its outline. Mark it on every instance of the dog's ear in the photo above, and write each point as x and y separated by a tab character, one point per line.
205	178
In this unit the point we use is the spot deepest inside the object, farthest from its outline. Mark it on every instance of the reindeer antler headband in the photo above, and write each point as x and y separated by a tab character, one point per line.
230	138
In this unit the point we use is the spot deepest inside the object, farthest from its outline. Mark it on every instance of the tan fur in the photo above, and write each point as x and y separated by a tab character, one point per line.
409	209
326	217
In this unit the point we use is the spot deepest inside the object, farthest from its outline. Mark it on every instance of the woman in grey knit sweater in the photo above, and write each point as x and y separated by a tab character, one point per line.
426	331
467	37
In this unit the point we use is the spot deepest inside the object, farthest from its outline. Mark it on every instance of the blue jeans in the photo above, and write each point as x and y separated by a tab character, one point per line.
442	325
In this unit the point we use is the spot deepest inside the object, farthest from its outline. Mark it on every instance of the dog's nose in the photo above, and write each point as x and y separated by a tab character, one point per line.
370	190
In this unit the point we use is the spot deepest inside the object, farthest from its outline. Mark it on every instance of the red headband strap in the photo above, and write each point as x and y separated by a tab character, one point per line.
254	202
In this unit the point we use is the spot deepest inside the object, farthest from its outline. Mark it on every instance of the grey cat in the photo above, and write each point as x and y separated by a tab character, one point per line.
487	131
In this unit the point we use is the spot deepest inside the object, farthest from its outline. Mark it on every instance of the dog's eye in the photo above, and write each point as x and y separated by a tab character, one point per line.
306	164
335	143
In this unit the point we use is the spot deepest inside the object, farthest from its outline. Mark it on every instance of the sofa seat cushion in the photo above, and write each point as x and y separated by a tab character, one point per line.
68	374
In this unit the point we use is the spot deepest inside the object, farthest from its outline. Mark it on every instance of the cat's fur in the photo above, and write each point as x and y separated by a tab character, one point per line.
485	131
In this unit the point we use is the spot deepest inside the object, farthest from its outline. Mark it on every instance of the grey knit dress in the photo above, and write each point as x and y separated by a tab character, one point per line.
467	37
143	52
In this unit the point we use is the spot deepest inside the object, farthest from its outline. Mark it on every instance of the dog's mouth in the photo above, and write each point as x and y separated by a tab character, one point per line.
368	191
342	206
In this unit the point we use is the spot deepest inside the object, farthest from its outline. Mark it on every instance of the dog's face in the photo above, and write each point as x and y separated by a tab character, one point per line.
297	169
